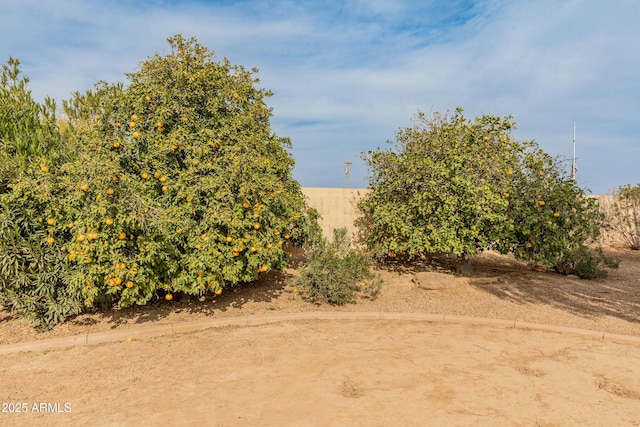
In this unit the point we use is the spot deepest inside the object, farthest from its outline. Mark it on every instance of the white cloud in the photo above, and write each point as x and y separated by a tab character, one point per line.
347	75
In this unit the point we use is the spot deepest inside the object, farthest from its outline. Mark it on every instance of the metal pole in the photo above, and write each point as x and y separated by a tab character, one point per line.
346	173
573	164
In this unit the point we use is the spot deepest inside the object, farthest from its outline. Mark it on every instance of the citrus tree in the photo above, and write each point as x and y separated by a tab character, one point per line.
174	182
459	186
444	189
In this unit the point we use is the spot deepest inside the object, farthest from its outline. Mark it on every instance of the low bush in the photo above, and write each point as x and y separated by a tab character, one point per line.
624	215
337	272
586	263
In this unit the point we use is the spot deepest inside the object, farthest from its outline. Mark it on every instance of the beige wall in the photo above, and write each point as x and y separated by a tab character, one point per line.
337	207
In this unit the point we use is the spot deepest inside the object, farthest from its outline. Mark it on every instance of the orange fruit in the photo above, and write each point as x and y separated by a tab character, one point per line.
509	172
88	261
92	236
541	202
44	169
256	226
235	95
50	240
129	284
132	125
147	98
229	239
198	246
269	245
156	175
84	187
134	117
168	297
485	138
122	265
110	191
145	175
164	188
116	144
294	290
277	233
118	124
505	195
97	116
136	135
163	179
51	221
80	238
201	274
556	214
528	244
108	221
174	146
246	205
70	225
235	76
218	291
122	235
236	253
117	280
286	236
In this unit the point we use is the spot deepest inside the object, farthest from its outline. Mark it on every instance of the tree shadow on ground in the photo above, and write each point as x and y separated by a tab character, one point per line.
617	296
406	265
233	299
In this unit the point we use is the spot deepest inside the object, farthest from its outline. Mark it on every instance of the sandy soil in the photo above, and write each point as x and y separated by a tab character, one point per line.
365	372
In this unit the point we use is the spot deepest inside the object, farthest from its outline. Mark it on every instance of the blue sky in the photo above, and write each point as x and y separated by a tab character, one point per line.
347	75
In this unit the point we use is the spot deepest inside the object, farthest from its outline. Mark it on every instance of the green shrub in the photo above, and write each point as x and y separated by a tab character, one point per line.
337	272
585	263
34	277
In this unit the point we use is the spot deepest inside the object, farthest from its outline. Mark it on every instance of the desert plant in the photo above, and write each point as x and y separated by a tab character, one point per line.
624	215
585	263
337	272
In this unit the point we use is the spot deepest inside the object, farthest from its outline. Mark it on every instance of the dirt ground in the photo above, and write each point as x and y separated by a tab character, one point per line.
363	372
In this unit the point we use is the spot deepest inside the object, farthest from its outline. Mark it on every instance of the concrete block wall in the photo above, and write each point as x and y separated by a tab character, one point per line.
337	207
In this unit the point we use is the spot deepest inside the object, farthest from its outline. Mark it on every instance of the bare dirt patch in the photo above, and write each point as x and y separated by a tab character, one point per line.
366	372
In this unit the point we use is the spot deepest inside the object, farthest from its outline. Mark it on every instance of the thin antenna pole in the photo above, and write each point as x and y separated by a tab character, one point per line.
574	169
346	173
